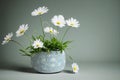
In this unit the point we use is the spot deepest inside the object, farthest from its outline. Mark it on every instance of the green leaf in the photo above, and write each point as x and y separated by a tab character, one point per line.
33	37
40	37
25	52
49	45
28	48
67	42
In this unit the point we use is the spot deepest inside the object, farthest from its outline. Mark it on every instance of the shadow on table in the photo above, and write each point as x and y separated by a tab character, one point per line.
68	71
25	69
20	69
30	70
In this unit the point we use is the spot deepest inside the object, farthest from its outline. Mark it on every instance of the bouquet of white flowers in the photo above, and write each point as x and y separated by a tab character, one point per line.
42	44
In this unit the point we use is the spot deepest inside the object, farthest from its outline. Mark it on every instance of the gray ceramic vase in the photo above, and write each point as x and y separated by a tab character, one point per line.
49	62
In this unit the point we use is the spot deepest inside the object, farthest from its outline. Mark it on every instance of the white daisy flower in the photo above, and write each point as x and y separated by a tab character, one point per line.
7	38
75	67
21	30
39	11
50	30
72	22
37	44
58	21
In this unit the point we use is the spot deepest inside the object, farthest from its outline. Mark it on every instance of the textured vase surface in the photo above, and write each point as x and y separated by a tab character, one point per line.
51	62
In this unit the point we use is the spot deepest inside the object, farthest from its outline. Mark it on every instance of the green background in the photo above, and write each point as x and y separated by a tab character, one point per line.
96	40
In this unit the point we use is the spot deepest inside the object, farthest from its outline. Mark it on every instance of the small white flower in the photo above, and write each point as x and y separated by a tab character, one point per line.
75	67
58	21
72	22
50	30
39	11
37	44
21	30
7	38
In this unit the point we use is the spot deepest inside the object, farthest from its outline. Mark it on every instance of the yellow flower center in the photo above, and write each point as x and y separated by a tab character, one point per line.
22	31
74	68
7	39
58	23
71	24
51	31
37	45
40	13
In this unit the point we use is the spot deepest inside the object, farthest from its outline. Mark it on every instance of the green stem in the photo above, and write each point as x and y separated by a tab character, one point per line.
55	35
17	43
28	38
65	33
26	52
35	32
70	57
50	36
42	28
57	28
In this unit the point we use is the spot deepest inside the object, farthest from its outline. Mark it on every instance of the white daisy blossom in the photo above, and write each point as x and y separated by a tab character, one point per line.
37	44
72	22
7	38
58	21
50	30
21	30
75	67
39	11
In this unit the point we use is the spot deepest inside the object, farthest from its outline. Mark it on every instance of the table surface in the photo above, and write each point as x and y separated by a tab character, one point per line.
88	71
